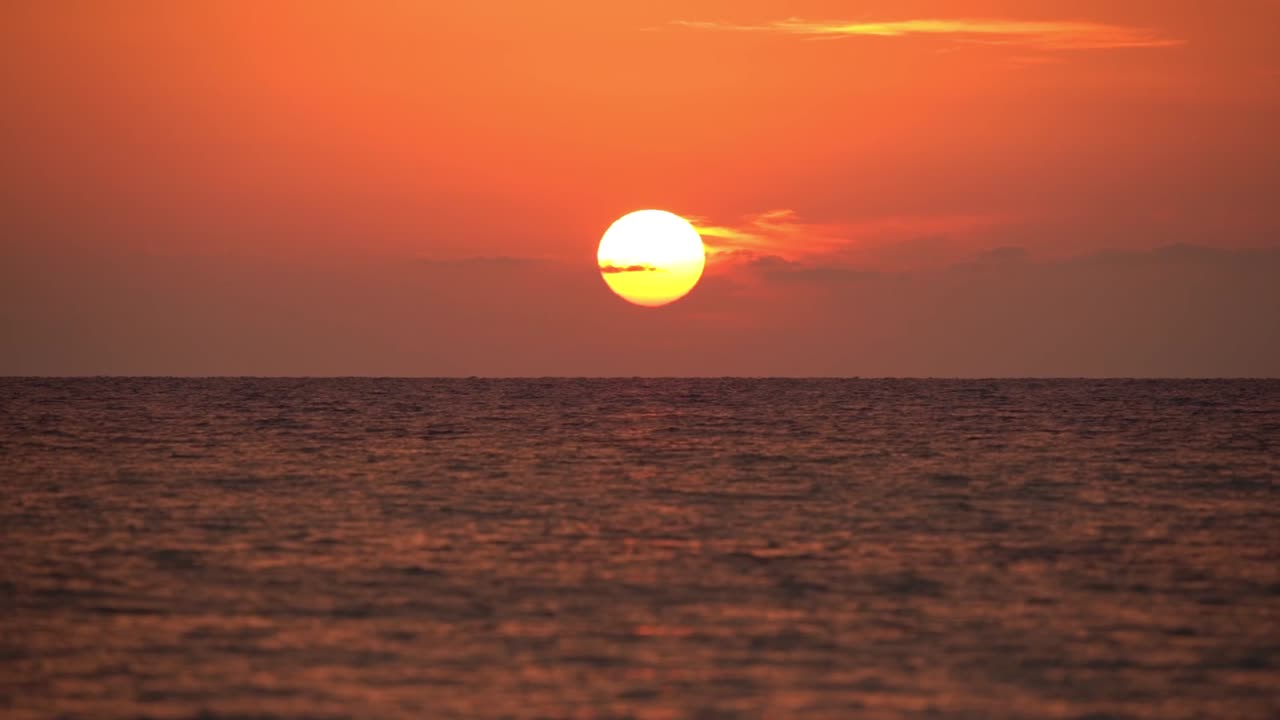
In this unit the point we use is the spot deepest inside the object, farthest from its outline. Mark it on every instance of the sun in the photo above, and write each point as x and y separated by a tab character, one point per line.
651	257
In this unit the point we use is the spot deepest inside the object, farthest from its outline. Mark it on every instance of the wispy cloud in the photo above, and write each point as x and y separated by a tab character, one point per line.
774	232
784	234
1037	34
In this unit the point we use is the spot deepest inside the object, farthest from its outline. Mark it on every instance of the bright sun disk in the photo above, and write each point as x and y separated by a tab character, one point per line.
651	257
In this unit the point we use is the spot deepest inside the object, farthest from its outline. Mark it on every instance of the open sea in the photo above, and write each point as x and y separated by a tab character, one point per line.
634	548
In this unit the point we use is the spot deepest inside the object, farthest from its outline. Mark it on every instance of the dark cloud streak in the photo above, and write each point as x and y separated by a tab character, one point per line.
613	269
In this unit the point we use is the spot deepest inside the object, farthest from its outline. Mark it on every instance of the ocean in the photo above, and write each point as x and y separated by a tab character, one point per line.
639	548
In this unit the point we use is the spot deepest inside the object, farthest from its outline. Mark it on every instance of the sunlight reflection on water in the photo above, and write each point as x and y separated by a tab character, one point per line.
646	548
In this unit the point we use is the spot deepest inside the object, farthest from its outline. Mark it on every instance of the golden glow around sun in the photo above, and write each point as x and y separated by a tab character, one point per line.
651	257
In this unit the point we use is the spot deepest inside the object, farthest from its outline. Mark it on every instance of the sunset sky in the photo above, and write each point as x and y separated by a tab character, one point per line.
906	187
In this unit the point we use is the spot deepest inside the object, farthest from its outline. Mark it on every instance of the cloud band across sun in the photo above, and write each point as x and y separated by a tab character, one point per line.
613	269
1036	34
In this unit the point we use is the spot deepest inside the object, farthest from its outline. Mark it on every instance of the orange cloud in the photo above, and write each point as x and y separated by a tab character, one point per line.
1038	34
775	232
784	234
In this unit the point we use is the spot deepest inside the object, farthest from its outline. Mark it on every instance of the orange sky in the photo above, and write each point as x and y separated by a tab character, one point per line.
417	188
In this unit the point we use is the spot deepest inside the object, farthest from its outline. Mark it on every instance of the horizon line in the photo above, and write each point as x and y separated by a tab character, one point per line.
653	377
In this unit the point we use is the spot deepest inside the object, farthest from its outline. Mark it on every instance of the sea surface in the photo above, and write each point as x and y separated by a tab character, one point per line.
634	548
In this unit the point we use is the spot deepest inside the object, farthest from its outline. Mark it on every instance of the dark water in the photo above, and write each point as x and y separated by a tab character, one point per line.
639	548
